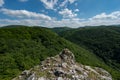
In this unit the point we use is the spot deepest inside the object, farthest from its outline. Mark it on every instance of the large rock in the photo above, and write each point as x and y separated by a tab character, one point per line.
67	56
64	67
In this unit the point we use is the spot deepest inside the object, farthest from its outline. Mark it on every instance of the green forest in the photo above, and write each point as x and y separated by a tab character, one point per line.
103	41
23	47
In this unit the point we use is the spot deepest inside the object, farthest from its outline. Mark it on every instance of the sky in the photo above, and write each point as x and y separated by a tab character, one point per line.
59	13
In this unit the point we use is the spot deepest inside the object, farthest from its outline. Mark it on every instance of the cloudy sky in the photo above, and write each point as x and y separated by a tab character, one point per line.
59	13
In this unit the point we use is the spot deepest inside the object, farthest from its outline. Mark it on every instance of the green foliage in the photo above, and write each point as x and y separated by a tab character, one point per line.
24	47
60	29
104	41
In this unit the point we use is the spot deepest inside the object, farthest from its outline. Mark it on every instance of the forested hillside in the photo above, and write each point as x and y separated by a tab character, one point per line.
24	47
104	41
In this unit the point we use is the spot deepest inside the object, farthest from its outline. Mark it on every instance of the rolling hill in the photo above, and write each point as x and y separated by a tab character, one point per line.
103	41
23	47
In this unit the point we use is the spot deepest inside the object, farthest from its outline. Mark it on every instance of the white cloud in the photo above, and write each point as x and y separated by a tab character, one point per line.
23	0
1	3
74	22
49	4
29	22
104	16
24	14
65	2
45	23
100	19
76	10
54	4
72	1
66	13
105	19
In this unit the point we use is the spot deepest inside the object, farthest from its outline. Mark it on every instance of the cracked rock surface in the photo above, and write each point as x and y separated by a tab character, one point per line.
63	67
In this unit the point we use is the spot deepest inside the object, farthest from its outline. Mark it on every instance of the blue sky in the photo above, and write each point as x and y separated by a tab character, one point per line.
59	13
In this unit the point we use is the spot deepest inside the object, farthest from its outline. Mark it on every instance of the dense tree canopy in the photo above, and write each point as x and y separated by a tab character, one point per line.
104	41
24	47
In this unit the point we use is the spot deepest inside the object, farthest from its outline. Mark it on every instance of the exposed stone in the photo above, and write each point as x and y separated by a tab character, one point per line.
41	78
60	78
67	55
64	67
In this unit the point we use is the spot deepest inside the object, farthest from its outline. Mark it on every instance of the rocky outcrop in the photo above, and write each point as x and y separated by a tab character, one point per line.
64	67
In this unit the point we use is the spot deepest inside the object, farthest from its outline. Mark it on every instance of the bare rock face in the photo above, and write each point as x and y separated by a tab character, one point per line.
64	67
67	56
